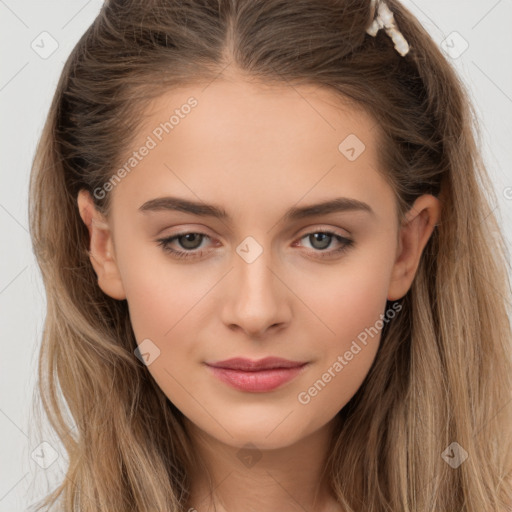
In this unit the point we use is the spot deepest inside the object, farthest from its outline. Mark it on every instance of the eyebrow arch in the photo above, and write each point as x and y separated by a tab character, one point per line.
339	204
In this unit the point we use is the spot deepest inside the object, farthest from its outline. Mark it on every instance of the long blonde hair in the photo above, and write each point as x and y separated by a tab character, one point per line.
442	373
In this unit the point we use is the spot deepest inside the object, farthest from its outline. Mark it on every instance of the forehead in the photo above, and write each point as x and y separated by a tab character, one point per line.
262	116
231	140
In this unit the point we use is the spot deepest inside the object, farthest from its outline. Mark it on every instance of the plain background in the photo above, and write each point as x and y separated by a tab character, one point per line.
36	38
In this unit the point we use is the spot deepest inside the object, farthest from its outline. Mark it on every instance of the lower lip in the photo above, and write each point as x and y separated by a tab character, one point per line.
257	381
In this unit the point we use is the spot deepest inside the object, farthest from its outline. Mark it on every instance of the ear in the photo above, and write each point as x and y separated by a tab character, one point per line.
414	234
101	252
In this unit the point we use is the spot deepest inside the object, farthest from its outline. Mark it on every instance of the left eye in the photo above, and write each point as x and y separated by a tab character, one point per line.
324	240
191	242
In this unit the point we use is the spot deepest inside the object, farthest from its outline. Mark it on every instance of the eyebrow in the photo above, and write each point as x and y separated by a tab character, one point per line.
339	204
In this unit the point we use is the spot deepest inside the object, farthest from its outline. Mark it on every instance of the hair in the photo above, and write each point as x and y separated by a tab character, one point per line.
442	372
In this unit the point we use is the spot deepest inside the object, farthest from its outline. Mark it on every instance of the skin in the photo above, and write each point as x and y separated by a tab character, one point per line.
288	302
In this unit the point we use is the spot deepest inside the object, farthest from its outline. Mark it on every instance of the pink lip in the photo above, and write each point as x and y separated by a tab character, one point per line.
267	363
256	376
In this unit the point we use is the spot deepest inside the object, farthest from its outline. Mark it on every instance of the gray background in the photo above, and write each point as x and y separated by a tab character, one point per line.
27	83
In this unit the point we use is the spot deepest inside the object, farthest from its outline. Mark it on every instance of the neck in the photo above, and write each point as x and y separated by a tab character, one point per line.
289	478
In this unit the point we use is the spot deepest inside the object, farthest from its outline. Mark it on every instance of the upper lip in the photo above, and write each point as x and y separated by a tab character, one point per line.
241	363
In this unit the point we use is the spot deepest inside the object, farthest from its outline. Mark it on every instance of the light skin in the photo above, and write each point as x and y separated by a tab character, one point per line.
256	152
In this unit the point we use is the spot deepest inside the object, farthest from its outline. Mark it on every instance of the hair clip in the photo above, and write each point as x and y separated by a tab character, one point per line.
385	19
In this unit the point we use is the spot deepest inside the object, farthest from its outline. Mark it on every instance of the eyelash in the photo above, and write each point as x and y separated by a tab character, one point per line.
165	242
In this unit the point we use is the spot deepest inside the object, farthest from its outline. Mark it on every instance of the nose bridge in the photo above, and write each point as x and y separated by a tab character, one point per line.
253	273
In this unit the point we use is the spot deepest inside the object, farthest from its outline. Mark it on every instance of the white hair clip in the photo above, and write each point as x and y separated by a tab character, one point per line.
386	20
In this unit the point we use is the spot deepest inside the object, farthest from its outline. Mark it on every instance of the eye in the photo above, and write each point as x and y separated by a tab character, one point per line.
320	240
190	241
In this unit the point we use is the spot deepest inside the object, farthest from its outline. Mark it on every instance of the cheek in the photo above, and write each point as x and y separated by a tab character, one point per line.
166	303
348	297
352	304
160	292
163	302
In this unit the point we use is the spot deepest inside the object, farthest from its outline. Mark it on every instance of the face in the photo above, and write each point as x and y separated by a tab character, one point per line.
214	242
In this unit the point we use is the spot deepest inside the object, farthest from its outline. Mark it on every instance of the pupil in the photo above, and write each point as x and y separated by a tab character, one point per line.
190	238
324	238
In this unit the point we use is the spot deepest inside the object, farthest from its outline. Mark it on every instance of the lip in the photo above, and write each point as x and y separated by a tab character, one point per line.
267	363
256	376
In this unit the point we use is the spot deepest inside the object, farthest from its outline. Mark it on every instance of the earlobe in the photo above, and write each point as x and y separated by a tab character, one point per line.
101	247
414	234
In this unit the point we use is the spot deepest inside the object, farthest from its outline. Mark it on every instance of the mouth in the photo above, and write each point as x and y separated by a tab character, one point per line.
267	363
256	376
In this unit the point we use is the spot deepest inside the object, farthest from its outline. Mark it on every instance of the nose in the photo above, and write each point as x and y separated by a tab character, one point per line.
257	299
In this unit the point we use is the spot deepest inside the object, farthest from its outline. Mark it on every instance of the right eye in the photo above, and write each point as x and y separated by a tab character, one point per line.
188	241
